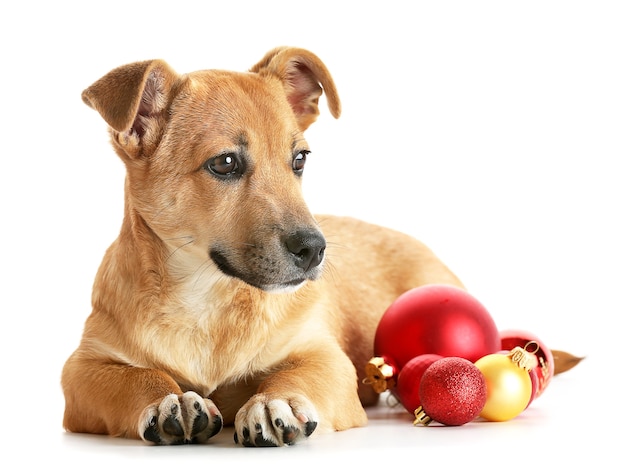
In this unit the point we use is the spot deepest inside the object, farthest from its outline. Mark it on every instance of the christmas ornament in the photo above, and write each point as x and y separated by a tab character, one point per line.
380	375
534	381
452	391
544	371
509	385
407	388
439	319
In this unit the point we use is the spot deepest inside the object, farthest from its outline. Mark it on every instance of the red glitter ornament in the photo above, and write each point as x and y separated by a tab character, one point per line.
407	388
452	391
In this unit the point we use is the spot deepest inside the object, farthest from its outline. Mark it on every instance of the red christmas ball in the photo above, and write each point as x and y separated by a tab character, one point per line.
439	319
408	384
534	380
453	391
544	370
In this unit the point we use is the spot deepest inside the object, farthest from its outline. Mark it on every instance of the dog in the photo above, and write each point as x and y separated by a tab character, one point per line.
224	301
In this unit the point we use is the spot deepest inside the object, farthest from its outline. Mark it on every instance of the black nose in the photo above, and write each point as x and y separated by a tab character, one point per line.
306	247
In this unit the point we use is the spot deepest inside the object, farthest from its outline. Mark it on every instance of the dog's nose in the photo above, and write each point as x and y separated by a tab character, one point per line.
307	248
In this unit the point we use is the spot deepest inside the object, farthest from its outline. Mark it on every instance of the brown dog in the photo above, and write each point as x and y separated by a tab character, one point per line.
220	302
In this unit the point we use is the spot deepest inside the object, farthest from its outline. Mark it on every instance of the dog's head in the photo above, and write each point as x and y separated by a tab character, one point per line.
214	162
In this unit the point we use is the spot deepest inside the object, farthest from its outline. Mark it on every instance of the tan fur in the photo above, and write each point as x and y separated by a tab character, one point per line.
175	347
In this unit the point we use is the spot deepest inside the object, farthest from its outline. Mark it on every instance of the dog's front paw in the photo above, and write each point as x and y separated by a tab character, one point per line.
263	421
176	420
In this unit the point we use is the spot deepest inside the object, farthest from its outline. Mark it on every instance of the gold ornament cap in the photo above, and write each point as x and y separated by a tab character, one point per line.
379	375
421	417
523	358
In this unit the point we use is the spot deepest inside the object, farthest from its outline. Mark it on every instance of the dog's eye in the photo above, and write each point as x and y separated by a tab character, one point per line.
299	160
225	165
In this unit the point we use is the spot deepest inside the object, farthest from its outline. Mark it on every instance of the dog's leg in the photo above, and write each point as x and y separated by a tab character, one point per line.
157	411
311	390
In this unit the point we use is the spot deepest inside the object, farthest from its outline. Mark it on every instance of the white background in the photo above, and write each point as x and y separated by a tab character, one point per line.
492	131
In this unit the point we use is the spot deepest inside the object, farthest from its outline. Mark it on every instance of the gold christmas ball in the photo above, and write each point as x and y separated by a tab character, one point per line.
509	387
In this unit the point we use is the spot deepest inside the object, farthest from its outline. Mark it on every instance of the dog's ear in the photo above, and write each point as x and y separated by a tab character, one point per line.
301	73
130	96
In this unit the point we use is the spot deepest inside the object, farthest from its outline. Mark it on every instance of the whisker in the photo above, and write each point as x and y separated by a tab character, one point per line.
156	215
190	240
205	265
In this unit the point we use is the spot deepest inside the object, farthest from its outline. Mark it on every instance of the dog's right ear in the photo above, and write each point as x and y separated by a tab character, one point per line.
129	97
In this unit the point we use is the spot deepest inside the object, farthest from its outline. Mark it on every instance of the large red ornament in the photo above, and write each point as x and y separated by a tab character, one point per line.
440	319
544	370
453	391
407	387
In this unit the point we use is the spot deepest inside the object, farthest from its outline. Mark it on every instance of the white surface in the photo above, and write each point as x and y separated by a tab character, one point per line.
492	131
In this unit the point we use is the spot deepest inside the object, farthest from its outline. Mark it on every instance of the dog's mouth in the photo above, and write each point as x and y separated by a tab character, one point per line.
264	277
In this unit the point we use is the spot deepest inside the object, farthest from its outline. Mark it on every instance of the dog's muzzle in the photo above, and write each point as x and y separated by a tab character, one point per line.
284	265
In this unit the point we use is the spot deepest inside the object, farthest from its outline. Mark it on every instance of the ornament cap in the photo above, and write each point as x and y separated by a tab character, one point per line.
523	358
421	418
379	374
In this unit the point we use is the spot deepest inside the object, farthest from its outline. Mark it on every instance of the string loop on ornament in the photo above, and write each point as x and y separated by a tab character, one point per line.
531	342
392	401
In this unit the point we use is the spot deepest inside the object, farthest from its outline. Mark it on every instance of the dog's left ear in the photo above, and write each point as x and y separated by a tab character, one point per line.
301	73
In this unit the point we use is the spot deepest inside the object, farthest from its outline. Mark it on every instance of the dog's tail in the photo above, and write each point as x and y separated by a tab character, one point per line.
564	361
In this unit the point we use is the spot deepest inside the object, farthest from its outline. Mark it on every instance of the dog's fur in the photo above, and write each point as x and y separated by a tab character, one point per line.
219	303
